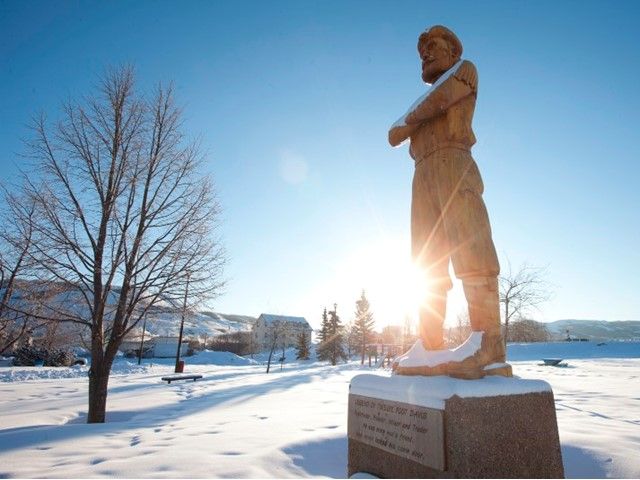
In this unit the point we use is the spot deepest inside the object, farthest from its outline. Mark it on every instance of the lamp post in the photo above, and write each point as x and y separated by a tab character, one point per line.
184	310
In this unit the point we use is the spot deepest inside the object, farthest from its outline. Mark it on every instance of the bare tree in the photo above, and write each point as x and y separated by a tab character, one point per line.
15	243
123	216
521	291
458	334
524	330
239	343
277	333
408	335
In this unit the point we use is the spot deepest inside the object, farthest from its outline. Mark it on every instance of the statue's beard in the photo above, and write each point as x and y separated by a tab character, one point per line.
431	76
431	72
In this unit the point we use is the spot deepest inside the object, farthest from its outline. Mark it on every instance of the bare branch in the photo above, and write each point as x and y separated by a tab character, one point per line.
122	216
521	291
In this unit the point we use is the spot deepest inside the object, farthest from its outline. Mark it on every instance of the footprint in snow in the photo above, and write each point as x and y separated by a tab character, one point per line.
163	444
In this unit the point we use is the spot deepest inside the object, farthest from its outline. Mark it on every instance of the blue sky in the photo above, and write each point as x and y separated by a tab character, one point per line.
293	100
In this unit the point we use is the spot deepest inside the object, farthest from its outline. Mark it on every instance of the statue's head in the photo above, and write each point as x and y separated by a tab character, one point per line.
439	50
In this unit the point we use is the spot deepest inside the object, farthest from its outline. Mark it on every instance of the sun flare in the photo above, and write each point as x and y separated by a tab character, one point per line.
394	285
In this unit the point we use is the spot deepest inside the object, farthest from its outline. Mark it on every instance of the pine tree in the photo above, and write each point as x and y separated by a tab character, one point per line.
302	347
323	334
363	324
352	338
332	348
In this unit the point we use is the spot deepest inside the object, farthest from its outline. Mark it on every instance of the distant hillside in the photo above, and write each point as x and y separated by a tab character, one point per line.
212	323
595	329
162	319
167	322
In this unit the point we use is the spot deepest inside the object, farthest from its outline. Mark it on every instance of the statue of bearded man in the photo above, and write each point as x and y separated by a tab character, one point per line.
449	220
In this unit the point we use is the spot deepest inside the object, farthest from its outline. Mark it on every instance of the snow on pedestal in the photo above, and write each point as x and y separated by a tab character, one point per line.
432	392
431	427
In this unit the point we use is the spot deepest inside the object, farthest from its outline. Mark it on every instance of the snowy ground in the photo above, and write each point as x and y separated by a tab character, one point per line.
240	422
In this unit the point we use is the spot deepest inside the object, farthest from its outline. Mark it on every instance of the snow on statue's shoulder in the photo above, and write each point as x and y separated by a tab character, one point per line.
401	121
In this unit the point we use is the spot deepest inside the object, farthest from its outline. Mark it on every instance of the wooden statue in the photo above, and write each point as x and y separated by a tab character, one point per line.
449	221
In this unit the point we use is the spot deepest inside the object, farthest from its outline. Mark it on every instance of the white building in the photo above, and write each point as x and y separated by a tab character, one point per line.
158	347
287	329
167	347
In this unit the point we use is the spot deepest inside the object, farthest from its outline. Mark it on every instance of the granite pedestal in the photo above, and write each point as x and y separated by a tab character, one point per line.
440	427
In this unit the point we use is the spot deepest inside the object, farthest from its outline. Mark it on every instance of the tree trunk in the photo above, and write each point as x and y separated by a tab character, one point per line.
506	321
101	362
98	383
273	347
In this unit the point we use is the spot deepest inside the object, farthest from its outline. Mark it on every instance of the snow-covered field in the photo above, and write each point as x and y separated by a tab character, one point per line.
240	422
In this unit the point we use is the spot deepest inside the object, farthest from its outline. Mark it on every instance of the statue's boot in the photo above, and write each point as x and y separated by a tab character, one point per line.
484	314
430	344
483	353
458	362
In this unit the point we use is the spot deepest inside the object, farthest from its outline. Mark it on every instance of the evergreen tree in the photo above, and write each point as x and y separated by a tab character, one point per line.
321	351
363	325
322	335
352	338
332	348
302	347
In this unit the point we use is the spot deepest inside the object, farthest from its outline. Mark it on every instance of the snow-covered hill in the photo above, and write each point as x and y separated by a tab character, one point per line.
628	330
166	322
162	319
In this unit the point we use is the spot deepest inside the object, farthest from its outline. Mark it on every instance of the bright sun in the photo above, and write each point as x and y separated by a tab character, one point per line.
393	284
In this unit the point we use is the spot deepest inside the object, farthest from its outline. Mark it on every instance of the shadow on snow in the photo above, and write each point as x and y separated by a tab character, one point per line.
193	401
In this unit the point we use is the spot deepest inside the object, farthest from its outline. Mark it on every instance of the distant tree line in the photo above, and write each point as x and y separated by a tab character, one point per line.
240	343
522	330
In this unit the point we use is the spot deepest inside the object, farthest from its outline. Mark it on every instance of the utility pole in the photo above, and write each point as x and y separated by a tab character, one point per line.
184	311
144	324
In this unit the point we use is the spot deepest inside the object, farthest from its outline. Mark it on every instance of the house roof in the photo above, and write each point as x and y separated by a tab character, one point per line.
270	318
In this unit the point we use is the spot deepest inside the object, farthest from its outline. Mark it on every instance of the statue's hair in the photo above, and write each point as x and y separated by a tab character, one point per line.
444	33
